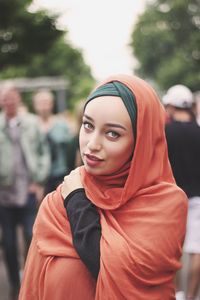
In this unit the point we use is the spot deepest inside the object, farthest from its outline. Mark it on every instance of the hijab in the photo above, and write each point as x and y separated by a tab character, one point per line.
143	214
150	164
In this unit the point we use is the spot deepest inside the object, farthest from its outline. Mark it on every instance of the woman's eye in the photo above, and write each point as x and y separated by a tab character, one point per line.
87	125
113	134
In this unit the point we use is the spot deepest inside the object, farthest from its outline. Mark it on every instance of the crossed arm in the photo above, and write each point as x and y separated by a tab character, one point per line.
84	222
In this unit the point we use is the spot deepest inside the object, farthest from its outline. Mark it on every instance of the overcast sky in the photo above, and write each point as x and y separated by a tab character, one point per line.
101	28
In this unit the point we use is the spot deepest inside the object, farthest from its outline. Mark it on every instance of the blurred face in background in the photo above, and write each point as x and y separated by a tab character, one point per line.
43	103
197	101
9	102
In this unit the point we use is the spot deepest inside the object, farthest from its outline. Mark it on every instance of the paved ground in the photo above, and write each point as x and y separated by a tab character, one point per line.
4	286
3	279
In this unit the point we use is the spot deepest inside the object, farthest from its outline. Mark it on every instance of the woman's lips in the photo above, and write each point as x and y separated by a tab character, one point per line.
92	160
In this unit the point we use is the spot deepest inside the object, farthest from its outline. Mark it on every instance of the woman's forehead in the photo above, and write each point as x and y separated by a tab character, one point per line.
109	108
105	104
105	101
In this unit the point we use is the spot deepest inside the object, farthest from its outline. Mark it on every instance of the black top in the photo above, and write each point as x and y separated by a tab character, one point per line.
86	229
183	139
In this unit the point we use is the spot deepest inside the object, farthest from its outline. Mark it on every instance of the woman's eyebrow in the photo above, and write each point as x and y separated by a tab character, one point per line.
115	125
89	118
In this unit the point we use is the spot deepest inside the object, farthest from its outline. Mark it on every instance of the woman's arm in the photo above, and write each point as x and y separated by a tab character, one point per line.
85	224
86	229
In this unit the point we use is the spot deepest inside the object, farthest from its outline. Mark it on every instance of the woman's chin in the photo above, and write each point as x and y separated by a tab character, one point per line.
93	171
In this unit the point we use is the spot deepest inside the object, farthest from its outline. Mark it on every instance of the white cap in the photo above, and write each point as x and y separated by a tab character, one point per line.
179	96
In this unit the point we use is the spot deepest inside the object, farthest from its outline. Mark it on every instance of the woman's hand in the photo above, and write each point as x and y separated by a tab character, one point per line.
71	182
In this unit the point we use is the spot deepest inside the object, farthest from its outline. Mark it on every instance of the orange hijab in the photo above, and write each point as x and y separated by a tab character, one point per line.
143	219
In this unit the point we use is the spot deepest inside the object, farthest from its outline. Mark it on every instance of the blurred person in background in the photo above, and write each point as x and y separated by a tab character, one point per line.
75	159
58	136
197	102
24	166
183	138
168	109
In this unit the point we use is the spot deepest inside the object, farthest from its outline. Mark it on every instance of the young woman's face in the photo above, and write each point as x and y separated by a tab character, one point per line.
106	135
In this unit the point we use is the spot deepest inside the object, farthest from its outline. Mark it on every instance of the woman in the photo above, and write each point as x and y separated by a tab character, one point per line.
127	215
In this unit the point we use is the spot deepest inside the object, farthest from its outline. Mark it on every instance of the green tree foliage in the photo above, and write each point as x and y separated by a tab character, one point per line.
24	34
166	42
31	46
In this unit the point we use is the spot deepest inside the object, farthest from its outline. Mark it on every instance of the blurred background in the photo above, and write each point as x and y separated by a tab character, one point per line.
84	42
69	46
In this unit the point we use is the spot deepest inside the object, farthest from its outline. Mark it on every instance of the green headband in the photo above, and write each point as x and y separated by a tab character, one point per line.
118	89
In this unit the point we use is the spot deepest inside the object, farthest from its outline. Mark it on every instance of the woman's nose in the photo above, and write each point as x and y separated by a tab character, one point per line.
94	142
